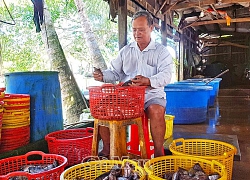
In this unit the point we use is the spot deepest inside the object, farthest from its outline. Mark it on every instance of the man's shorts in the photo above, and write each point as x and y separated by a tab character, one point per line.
159	101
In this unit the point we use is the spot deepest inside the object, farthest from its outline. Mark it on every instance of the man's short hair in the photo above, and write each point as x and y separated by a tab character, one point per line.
145	14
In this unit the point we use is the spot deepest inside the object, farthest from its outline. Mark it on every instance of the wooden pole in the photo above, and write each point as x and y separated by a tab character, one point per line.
122	23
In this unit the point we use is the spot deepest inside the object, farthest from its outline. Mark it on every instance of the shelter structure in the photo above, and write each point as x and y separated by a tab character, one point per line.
209	36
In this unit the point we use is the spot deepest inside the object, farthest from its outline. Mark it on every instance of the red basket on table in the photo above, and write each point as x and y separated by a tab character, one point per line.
10	167
110	102
75	144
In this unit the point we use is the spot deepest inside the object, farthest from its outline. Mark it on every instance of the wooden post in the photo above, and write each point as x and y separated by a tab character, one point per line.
122	23
181	51
164	32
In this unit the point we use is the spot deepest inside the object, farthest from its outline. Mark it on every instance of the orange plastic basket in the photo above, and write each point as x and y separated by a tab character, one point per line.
206	149
109	101
157	167
2	93
10	167
16	101
75	144
91	170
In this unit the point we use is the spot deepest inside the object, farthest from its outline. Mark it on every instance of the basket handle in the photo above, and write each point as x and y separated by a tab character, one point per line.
16	174
179	140
107	85
50	139
130	161
90	129
102	86
226	154
33	153
216	163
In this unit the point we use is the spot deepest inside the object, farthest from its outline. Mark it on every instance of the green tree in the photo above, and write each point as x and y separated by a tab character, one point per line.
24	50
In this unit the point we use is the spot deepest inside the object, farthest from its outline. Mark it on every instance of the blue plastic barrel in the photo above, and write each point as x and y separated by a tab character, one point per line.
187	103
197	83
215	83
45	100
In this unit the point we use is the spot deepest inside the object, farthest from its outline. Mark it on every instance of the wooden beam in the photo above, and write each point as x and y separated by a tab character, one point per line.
218	42
238	34
161	7
213	45
221	21
168	8
144	4
225	44
205	3
220	54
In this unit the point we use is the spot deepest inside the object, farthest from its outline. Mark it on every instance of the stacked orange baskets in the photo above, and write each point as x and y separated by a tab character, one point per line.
1	109
15	121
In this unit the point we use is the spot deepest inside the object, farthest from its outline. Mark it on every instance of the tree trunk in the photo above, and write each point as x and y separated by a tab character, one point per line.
73	100
97	58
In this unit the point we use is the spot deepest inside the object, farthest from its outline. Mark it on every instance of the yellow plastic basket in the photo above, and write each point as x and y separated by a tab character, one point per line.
91	170
169	126
169	119
157	167
206	149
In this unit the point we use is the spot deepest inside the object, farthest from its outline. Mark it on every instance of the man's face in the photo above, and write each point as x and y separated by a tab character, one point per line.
141	30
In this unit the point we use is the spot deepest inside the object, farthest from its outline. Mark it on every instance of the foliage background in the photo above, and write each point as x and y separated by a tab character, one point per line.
22	47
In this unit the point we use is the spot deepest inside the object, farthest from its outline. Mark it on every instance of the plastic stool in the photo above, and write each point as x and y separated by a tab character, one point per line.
134	139
118	140
133	144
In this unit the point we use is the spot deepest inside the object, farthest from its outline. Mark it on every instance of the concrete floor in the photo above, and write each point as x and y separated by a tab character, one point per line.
230	118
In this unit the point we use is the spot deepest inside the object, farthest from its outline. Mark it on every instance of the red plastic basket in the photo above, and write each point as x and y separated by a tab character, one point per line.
13	138
10	167
110	102
75	144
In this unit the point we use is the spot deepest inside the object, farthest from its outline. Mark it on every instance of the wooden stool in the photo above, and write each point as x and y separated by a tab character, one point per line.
118	139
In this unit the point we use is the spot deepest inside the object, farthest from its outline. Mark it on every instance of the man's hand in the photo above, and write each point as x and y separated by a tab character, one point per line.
140	80
97	74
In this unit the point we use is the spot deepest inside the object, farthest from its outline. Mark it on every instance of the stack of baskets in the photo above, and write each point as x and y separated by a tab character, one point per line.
10	168
1	109
15	121
74	144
